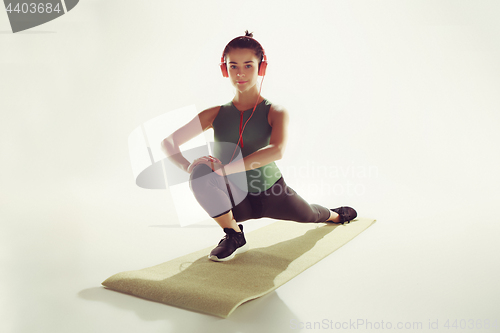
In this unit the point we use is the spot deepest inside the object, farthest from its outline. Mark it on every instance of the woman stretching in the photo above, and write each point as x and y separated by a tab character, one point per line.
242	181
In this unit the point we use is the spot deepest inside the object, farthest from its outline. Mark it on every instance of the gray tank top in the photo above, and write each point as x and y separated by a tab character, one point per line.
256	135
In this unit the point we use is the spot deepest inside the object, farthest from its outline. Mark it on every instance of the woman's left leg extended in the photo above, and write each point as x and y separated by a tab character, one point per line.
282	202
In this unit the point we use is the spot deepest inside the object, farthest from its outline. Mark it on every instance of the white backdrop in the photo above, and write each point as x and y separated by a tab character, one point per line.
394	110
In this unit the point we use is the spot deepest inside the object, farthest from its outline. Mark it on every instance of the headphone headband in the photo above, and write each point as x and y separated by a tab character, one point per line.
262	65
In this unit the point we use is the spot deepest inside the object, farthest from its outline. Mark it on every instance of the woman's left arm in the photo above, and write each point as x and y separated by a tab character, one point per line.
278	119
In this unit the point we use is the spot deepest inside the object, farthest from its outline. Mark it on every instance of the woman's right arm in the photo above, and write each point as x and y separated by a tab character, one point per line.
199	124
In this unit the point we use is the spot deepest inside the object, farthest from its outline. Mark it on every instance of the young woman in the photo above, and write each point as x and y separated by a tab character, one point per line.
242	181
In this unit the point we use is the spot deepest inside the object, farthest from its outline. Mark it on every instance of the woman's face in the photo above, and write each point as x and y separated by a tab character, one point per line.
243	68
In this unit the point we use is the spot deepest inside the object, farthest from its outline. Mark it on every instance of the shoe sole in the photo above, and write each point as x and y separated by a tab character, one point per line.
239	250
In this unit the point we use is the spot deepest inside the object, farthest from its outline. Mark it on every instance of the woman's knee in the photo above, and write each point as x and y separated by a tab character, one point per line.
200	177
200	171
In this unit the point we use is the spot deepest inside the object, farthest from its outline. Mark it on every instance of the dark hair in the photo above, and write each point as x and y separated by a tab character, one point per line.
245	42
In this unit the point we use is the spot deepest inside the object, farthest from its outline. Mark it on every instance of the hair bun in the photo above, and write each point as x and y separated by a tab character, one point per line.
248	34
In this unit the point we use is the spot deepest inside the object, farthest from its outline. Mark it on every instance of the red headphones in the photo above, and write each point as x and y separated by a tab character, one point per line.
262	65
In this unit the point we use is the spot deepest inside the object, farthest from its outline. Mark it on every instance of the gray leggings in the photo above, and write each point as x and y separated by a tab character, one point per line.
278	202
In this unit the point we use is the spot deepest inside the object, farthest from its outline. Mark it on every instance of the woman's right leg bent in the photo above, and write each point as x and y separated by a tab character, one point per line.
211	192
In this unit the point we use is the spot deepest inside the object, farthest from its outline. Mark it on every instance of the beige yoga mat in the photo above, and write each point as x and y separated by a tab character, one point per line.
278	252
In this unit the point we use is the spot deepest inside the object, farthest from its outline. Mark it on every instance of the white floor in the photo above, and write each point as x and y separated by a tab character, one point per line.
404	118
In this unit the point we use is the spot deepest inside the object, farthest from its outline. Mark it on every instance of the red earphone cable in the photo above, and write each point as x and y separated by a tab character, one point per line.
255	106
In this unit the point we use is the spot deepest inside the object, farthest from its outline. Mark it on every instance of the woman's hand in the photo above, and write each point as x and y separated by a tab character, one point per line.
214	163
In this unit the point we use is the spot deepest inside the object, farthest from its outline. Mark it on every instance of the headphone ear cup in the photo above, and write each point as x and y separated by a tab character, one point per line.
262	68
223	68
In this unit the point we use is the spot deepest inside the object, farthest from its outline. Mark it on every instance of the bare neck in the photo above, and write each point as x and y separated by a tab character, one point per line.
247	99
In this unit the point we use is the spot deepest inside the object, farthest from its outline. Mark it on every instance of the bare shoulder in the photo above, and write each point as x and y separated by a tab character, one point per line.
207	117
277	112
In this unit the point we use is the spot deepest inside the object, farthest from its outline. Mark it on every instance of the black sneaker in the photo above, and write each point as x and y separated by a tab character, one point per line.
346	214
233	243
